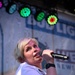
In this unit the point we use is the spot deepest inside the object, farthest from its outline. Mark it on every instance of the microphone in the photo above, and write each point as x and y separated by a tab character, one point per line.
40	53
56	55
59	56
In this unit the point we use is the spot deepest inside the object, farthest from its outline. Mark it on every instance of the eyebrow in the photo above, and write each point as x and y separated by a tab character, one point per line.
26	47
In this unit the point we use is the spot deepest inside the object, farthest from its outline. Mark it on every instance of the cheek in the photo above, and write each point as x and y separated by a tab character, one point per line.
38	49
29	58
28	55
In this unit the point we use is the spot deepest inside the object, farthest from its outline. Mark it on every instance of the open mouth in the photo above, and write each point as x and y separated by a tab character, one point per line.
36	54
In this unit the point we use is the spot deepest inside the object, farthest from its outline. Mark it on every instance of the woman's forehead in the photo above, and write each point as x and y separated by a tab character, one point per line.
31	42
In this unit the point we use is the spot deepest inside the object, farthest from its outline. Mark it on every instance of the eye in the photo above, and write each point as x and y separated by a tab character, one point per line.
28	49
35	46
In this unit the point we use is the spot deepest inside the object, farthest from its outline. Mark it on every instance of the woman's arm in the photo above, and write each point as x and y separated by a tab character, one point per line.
51	71
50	66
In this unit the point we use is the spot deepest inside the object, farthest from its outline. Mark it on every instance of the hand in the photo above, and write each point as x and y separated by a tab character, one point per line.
47	56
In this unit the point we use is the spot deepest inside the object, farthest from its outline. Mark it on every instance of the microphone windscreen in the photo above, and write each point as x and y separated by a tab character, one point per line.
40	53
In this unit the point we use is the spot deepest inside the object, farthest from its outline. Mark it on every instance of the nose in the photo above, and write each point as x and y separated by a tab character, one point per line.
36	49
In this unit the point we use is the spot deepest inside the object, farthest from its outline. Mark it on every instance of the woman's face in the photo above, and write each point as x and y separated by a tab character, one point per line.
31	53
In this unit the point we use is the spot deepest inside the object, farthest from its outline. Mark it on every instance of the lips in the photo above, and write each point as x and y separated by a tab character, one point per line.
36	54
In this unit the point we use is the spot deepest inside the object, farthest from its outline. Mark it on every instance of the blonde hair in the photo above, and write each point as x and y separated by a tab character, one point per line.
18	52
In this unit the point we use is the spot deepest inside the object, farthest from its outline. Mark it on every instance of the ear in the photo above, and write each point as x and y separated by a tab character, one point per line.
21	60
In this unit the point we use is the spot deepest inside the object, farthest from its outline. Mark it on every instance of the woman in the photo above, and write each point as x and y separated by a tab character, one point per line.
28	54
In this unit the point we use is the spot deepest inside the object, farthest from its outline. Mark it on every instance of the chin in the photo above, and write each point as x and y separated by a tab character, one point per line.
39	60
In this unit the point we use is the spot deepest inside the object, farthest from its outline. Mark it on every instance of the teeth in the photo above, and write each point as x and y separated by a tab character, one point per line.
34	54
37	54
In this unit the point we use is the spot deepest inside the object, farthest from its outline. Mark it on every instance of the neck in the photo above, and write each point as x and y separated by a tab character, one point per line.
39	66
